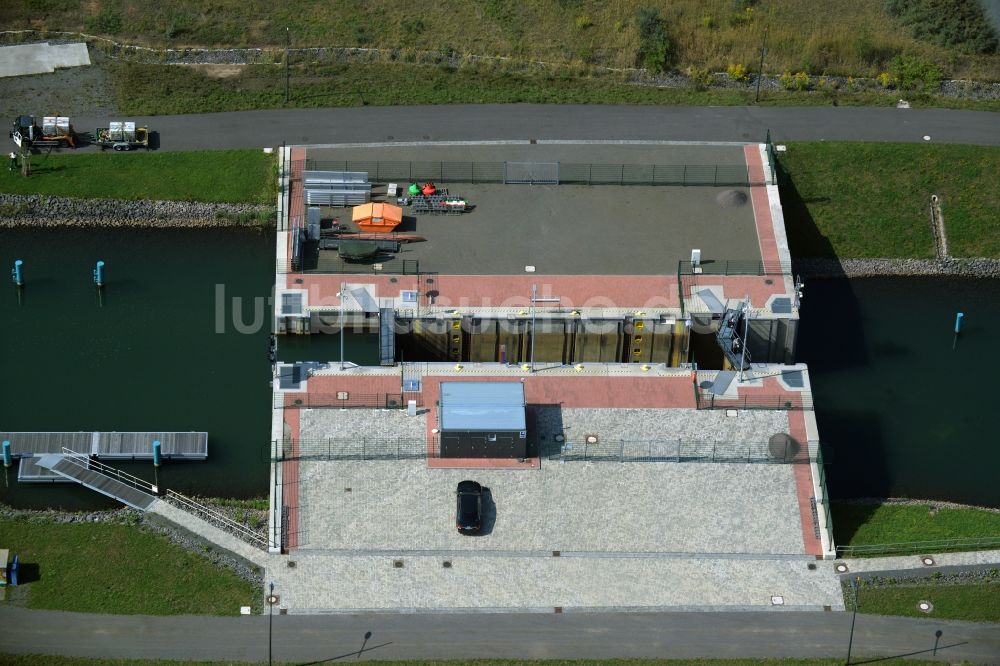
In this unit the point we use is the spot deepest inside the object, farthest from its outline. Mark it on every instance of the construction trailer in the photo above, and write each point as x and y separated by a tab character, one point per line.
53	131
122	135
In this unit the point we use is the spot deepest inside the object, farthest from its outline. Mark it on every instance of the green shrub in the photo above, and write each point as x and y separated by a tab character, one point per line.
801	81
914	72
708	21
959	24
583	22
702	78
787	81
737	72
654	43
412	26
106	21
619	25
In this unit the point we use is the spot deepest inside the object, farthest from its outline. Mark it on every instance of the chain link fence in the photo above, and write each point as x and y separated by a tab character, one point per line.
567	173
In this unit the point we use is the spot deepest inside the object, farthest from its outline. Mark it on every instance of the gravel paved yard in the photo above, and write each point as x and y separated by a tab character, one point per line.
576	506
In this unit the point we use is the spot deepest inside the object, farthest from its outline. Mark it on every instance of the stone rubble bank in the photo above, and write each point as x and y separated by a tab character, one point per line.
17	210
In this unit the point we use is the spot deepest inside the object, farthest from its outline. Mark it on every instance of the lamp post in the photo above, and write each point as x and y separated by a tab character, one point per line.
760	69
271	600
854	615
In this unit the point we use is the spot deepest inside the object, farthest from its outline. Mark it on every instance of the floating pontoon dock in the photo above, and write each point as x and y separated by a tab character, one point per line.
28	446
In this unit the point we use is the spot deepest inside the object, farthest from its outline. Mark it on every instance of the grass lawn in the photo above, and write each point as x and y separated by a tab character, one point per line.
160	90
41	660
218	176
872	199
149	576
862	524
975	603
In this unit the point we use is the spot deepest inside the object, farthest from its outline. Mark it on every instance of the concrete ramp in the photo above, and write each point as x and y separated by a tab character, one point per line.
42	58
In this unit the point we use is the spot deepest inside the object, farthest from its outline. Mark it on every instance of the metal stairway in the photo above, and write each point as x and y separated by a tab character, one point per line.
106	480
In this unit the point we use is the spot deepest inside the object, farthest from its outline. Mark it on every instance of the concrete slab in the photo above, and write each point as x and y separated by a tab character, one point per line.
323	583
24	59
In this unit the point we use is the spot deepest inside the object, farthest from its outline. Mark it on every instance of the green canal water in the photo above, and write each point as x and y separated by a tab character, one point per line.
903	412
179	342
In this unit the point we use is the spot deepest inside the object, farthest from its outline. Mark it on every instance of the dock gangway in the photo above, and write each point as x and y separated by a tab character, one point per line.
116	484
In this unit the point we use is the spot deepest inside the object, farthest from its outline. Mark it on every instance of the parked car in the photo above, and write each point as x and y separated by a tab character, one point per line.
469	507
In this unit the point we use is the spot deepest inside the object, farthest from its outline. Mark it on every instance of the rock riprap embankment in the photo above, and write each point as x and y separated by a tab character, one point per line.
821	268
19	210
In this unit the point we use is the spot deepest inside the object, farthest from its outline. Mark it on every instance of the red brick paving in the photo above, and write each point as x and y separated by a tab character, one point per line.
761	205
804	485
290	480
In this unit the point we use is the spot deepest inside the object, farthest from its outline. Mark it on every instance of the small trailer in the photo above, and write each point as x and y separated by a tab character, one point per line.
54	131
122	135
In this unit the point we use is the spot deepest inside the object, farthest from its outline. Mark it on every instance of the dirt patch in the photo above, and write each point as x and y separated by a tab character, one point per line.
217	71
76	91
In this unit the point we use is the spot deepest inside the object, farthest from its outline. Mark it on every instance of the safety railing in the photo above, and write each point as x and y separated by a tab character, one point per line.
357	448
786	401
217	519
734	267
308	264
345	400
86	462
919	547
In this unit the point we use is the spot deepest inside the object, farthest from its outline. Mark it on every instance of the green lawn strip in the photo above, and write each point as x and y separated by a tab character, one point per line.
43	660
979	602
157	89
217	176
862	524
122	569
871	199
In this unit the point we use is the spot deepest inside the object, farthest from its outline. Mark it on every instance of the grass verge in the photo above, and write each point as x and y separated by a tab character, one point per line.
216	176
157	89
60	567
973	602
871	199
864	524
43	660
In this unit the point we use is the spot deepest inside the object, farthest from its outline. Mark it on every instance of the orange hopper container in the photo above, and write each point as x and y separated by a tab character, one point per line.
377	217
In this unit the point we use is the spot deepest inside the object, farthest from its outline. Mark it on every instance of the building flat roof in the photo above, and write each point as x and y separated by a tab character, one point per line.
482	406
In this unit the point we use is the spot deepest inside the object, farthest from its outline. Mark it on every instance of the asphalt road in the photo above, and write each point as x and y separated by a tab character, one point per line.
308	638
248	129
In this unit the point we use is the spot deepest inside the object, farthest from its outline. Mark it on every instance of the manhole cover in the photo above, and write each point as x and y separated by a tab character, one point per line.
925	606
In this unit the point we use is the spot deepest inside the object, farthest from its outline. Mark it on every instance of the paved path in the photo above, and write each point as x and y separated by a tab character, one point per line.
431	636
247	129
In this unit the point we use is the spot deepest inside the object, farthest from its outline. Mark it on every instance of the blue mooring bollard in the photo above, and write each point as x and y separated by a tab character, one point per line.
99	274
8	458
156	453
16	274
958	322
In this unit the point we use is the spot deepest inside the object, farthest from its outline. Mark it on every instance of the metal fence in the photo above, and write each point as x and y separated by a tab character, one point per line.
675	450
345	400
919	547
787	401
716	175
339	266
734	267
618	450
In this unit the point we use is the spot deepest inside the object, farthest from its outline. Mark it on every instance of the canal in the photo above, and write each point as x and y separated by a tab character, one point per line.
905	408
179	342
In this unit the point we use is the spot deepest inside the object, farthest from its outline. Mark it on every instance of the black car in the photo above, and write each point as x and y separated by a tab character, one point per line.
469	509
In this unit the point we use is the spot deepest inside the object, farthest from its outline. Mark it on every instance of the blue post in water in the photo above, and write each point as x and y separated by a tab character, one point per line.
156	453
17	275
8	458
99	274
958	322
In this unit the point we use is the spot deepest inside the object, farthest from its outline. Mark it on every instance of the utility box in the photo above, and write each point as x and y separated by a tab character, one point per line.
483	420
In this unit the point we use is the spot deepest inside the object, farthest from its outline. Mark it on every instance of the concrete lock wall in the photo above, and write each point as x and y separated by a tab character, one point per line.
567	341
